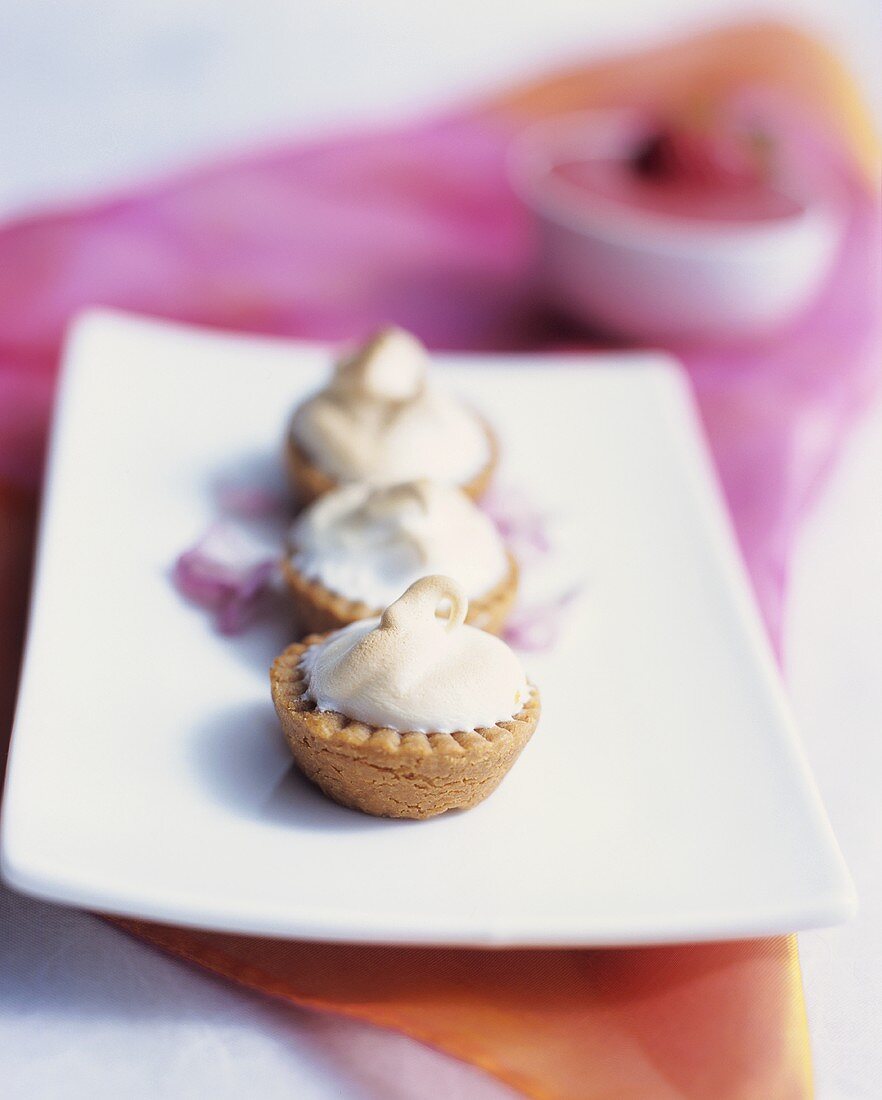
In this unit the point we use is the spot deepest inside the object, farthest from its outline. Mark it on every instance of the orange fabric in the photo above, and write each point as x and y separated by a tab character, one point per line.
718	1020
708	1020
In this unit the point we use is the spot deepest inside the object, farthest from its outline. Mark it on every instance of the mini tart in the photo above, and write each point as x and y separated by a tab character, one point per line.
386	773
309	482
318	610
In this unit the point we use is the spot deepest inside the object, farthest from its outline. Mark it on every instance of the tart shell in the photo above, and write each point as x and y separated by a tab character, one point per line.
318	610
387	773
309	482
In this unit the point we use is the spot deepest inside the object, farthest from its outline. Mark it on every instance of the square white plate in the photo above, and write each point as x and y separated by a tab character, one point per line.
664	797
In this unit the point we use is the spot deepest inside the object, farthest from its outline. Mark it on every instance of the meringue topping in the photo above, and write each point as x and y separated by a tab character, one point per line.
418	667
368	543
383	419
392	366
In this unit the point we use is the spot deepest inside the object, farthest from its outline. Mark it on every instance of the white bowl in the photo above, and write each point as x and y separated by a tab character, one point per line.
655	276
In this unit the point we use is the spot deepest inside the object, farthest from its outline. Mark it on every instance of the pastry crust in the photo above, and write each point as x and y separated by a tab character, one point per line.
386	773
309	482
318	610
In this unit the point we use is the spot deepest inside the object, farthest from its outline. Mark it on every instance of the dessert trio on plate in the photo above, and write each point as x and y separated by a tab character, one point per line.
401	701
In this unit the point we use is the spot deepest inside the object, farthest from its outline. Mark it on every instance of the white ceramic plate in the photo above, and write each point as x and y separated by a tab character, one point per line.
664	797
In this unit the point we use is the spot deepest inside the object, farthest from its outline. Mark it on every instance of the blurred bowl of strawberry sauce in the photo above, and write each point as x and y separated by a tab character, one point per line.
692	227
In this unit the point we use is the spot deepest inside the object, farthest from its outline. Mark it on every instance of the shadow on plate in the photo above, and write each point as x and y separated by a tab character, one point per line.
259	470
242	760
264	638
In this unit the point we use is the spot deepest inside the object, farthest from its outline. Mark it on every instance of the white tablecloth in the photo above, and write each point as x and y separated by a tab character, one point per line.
94	93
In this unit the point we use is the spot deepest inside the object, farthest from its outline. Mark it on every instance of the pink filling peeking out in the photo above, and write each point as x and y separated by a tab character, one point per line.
714	174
